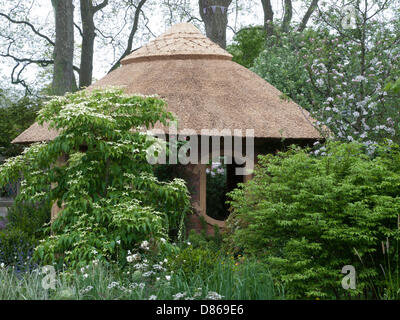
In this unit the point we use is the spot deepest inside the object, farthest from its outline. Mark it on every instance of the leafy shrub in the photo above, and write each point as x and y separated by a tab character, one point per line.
110	198
279	63
204	241
14	119
247	45
16	249
192	261
310	216
167	172
30	218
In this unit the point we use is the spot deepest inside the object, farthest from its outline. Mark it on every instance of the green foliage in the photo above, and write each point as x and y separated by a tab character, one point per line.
192	261
15	118
107	190
247	45
168	172
248	280
394	87
204	241
26	222
16	247
310	216
280	64
29	217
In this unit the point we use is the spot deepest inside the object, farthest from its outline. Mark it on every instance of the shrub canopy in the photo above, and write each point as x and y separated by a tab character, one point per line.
310	216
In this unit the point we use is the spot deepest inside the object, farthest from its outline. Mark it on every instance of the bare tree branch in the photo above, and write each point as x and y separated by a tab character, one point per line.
100	6
307	15
30	26
41	62
18	80
79	29
131	35
146	24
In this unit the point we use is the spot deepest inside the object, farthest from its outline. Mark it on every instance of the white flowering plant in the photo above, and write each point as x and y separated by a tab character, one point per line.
109	197
340	73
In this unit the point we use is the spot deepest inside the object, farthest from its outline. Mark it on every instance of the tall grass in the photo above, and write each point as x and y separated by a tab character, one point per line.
249	281
246	281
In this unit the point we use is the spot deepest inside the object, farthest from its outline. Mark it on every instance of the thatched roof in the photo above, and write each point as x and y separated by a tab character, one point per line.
180	41
203	88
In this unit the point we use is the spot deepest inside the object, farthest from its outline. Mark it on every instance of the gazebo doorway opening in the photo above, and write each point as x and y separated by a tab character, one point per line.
221	179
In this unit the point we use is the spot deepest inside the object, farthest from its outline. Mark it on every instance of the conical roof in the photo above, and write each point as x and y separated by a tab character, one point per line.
203	88
180	41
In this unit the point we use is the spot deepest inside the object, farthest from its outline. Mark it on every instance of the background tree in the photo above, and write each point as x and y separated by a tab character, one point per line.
338	72
214	14
286	23
63	75
88	10
268	17
132	33
313	5
30	40
247	44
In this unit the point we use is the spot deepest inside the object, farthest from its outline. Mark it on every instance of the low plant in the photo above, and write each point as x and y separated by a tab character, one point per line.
30	217
192	261
16	249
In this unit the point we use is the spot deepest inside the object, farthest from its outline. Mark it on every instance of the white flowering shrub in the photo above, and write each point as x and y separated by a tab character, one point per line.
340	73
109	195
350	74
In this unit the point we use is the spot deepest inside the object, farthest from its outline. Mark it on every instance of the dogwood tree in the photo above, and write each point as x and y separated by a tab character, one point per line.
110	199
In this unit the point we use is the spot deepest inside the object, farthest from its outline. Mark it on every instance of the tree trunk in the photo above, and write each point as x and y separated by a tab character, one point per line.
307	16
215	16
268	17
63	74
287	18
88	35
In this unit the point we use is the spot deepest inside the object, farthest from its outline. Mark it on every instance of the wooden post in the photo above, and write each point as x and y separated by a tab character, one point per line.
55	209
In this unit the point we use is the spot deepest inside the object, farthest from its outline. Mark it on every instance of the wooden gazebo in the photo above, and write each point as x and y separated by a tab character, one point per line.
204	89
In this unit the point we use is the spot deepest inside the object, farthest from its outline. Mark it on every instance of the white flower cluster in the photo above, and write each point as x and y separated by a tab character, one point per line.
113	285
137	285
133	257
86	290
145	245
214	296
179	296
159	267
118	286
148	274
